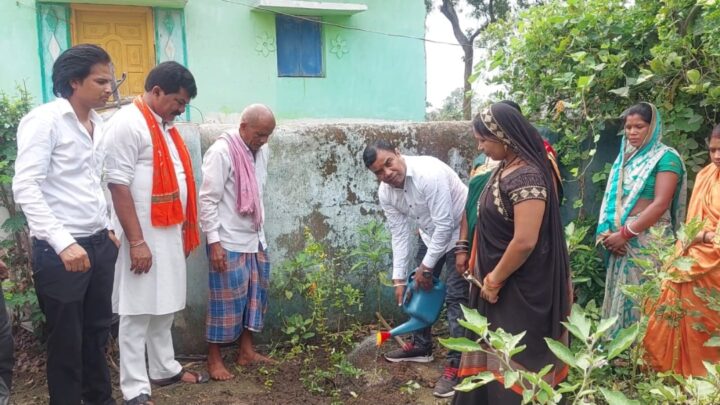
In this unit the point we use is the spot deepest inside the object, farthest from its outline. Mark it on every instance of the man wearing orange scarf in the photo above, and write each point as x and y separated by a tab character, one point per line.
150	177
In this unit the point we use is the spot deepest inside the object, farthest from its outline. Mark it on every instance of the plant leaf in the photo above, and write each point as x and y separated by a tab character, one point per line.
475	381
562	352
622	341
617	398
461	344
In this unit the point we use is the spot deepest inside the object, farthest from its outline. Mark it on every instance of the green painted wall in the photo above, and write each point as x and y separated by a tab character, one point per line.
231	51
379	77
19	48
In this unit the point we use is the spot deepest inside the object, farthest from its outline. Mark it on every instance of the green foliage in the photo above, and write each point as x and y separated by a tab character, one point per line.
609	368
19	293
588	270
320	284
451	108
576	65
23	306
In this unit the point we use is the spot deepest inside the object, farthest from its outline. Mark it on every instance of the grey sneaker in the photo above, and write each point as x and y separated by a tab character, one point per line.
410	354
444	386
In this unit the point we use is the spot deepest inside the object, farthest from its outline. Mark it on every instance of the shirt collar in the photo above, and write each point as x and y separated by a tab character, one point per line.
67	109
409	167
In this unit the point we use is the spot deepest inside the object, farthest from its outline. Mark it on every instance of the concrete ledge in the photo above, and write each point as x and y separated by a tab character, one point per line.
310	8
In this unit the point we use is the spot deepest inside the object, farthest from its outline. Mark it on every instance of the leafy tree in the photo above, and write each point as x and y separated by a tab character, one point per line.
580	63
451	109
484	12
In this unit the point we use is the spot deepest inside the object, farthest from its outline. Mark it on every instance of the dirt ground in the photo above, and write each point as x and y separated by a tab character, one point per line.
380	383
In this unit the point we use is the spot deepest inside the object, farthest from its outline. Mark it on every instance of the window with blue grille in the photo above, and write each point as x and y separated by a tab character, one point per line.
299	47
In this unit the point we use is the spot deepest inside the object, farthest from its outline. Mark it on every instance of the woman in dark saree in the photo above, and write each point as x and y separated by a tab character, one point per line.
523	263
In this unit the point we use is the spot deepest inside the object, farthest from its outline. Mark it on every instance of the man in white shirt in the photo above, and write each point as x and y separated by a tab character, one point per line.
231	215
149	174
424	191
57	185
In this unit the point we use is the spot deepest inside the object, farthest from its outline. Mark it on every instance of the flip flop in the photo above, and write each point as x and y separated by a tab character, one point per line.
142	399
200	378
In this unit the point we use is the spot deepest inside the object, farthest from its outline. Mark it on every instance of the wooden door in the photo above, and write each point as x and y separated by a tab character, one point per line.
126	33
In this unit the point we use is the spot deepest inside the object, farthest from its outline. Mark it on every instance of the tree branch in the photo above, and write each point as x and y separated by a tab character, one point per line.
448	10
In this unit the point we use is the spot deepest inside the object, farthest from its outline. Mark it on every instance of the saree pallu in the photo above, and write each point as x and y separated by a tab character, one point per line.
534	299
623	270
680	321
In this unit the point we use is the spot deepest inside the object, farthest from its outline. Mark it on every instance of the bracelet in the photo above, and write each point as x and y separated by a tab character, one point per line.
490	284
631	231
462	243
136	244
625	233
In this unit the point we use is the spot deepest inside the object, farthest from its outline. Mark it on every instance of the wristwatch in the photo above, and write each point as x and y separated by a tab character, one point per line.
427	273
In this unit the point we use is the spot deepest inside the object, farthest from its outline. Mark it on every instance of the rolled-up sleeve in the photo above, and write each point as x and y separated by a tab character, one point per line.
35	142
122	148
215	171
400	233
440	204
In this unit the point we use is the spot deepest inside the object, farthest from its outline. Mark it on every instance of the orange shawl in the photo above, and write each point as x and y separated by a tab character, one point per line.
166	207
673	340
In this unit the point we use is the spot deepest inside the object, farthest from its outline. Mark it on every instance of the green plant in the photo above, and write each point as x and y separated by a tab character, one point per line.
585	360
372	252
19	292
297	329
586	264
23	305
410	387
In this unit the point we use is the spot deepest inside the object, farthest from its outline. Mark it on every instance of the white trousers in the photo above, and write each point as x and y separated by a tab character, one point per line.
136	333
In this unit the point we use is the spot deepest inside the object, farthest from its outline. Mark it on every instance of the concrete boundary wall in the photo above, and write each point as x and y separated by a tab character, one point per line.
316	179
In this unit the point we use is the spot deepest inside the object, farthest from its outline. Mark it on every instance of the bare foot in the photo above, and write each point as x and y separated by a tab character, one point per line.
247	359
218	372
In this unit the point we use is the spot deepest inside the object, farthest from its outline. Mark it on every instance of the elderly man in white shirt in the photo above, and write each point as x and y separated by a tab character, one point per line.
231	215
57	185
424	191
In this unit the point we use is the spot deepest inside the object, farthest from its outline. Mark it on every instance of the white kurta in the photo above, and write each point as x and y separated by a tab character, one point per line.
129	161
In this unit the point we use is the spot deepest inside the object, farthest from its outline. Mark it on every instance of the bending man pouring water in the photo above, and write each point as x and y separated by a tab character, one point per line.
426	191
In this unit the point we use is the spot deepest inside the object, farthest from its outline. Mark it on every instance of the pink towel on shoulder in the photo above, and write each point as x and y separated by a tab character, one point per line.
248	195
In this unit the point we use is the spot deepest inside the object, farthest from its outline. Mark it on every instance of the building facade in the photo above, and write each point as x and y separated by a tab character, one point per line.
305	59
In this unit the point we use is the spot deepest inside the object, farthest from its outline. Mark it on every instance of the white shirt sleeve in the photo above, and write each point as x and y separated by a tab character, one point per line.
36	141
400	232
122	145
440	204
215	171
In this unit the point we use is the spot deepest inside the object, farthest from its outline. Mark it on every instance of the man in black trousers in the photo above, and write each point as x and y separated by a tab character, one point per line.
57	184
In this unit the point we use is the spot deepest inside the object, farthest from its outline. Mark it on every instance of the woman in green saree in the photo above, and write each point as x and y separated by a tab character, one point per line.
646	188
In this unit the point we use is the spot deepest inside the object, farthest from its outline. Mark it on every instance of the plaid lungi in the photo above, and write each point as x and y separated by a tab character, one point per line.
238	296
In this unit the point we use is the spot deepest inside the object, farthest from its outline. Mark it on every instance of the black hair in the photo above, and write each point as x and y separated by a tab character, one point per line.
370	152
171	77
75	64
715	133
513	105
644	110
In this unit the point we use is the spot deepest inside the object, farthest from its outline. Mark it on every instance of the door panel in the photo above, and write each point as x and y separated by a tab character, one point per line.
126	33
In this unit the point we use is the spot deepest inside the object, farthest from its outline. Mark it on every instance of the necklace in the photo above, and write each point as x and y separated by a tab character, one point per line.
511	162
